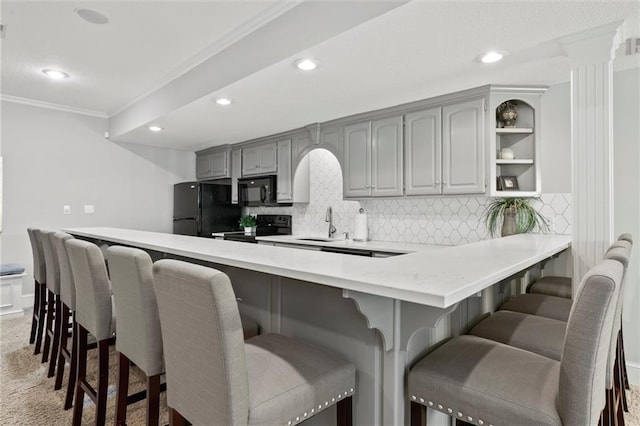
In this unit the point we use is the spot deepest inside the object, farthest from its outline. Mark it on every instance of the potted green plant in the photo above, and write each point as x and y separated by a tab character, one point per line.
513	216
248	222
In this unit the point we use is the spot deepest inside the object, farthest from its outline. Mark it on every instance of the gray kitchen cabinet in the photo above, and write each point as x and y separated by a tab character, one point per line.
292	188
213	163
260	159
423	152
444	149
463	147
284	182
236	171
373	158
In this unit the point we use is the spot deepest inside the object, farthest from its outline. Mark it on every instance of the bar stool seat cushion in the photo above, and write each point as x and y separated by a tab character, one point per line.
539	304
469	371
290	380
544	336
552	286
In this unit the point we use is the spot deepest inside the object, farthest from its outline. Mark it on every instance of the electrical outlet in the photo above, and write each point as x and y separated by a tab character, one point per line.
89	208
550	223
66	209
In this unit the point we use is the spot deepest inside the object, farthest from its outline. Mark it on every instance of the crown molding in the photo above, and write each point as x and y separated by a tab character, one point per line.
49	105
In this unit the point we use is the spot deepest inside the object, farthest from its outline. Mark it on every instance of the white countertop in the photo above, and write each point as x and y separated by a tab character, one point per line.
380	246
438	277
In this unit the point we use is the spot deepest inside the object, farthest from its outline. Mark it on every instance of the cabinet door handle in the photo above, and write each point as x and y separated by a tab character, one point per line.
437	182
444	182
373	186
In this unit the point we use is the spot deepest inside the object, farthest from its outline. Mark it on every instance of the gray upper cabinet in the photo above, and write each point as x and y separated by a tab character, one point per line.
386	157
213	163
357	160
236	170
423	152
373	158
463	147
284	183
260	159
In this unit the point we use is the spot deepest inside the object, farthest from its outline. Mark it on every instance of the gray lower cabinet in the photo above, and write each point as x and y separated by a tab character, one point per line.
444	149
259	159
463	147
373	158
213	163
236	171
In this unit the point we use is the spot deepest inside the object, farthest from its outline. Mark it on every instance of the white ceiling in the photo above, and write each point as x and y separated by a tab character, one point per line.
164	62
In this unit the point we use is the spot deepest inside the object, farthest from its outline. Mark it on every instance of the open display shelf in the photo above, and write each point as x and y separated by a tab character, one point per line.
521	136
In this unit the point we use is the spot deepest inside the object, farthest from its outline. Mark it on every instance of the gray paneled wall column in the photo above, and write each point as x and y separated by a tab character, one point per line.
590	55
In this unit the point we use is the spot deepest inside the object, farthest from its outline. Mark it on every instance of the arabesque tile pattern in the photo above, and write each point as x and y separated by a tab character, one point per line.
445	220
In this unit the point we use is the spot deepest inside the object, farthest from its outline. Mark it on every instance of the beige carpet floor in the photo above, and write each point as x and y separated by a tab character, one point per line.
27	396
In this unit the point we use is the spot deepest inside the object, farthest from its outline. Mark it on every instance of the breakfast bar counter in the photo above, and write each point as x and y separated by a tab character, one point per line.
404	304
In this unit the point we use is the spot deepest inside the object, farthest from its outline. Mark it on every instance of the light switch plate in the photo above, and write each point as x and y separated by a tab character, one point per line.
89	208
66	209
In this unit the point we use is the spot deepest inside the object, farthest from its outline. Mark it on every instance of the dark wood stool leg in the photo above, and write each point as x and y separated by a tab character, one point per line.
344	412
48	331
153	400
55	346
418	414
63	353
123	390
623	360
73	369
81	374
176	419
42	309
34	314
103	382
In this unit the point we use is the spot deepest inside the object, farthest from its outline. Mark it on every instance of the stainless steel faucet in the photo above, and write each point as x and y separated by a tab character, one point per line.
329	218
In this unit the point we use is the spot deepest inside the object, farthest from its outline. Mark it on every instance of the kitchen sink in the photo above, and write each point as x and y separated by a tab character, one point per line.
317	239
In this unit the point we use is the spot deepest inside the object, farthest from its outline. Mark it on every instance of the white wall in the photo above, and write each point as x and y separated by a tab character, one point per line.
55	158
626	151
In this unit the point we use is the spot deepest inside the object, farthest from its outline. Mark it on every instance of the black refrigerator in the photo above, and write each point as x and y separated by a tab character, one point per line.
203	208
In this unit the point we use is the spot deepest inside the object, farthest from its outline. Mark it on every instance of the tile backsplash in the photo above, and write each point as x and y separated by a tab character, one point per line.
442	220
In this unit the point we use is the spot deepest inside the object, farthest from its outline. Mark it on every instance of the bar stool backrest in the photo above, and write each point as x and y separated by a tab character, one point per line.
620	251
207	378
586	345
93	293
134	294
39	267
51	262
67	287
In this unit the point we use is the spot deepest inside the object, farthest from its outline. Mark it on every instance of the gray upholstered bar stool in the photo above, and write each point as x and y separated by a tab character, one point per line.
40	290
545	336
483	382
94	315
54	305
270	379
68	299
139	338
561	286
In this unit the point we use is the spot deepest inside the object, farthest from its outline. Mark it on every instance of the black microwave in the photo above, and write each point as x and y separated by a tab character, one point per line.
259	191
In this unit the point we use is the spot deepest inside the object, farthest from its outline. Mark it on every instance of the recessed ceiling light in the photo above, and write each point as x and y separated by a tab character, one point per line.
223	101
306	64
155	128
55	74
92	16
491	57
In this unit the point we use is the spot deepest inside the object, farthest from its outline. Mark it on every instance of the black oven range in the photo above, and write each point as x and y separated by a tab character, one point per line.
266	224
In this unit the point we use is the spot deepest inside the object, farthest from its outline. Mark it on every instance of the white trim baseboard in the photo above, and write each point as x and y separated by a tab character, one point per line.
27	301
633	370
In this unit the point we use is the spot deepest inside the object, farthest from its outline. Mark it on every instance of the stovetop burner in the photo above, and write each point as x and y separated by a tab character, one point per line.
266	224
